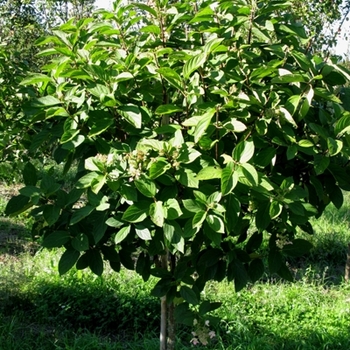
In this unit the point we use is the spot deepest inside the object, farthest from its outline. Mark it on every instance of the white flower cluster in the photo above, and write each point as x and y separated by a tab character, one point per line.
202	333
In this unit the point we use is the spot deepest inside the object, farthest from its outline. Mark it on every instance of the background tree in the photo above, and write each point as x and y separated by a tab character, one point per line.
198	131
20	26
324	21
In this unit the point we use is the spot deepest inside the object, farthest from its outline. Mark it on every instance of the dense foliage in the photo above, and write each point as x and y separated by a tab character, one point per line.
196	129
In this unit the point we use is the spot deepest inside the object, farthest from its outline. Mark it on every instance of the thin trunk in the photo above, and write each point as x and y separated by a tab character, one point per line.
171	310
347	266
163	309
163	323
171	327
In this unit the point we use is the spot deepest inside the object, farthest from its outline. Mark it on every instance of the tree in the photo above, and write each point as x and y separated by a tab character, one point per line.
321	18
57	12
199	130
20	26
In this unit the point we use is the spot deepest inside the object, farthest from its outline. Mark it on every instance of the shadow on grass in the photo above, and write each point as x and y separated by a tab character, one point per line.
102	310
15	238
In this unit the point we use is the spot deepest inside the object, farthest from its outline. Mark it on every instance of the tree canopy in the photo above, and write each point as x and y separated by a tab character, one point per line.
198	130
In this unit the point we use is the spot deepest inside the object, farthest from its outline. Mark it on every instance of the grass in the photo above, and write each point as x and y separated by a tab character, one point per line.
40	310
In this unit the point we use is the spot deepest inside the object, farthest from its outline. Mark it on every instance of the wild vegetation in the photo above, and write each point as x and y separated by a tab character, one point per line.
204	138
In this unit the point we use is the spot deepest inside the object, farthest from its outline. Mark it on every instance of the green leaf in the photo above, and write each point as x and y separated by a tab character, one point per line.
122	234
146	8
46	101
235	126
173	234
189	295
80	242
99	121
98	182
275	209
297	208
233	208
275	261
285	273
96	262
215	223
152	28
250	174
193	64
18	204
262	218
321	163
209	173
80	214
167	109
172	209
86	180
199	218
292	151
202	125
229	179
156	212
146	186
158	168
30	177
256	270
36	78
254	242
51	213
172	77
206	306
143	232
299	247
183	315
240	275
293	103
211	45
136	212
67	261
193	205
56	239
342	126
336	196
284	113
289	78
132	114
124	76
243	152
187	177
334	146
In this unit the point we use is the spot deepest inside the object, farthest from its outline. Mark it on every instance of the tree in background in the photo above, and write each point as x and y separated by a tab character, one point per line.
199	131
57	12
323	20
20	27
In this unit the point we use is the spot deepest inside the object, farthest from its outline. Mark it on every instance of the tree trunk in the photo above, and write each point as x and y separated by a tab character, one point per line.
171	327
163	309
167	318
347	266
163	324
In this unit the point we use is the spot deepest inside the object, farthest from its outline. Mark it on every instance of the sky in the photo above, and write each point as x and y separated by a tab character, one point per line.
342	47
107	4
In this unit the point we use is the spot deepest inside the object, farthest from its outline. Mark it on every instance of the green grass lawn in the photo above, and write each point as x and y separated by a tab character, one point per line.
40	310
